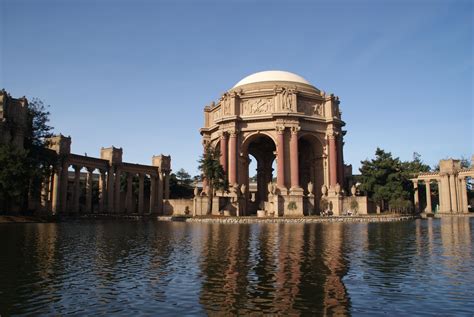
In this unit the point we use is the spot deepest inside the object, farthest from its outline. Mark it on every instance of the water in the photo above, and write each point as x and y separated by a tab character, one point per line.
149	268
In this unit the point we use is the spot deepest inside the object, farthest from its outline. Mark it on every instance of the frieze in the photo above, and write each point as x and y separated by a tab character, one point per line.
257	106
310	107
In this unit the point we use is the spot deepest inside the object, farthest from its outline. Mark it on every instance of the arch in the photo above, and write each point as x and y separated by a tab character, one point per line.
311	164
261	146
253	136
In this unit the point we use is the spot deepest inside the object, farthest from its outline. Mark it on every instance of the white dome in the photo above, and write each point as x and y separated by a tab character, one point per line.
272	75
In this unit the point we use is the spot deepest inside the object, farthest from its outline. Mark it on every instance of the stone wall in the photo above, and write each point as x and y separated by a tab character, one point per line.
177	207
365	205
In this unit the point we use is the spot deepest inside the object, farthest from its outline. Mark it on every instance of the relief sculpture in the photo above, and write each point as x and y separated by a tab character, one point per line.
257	106
310	107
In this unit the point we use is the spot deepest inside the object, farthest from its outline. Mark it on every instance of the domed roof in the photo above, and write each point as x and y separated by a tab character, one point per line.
272	75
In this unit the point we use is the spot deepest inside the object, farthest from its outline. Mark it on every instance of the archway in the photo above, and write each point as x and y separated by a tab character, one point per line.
262	149
311	165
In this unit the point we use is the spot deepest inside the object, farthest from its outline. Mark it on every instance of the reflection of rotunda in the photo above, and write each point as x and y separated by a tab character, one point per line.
277	115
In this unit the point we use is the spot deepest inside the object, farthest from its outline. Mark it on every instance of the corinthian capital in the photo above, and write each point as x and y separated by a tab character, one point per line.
280	129
295	130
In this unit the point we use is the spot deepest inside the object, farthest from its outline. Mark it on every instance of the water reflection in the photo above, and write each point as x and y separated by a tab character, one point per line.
115	267
274	268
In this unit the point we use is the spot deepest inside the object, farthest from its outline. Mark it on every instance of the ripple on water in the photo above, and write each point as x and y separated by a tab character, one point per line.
149	268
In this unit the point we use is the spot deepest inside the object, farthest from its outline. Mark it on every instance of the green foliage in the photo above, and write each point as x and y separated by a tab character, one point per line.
23	170
181	185
212	170
354	205
323	204
292	205
386	179
14	177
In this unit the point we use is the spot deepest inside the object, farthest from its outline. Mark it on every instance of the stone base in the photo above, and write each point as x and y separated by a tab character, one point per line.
261	213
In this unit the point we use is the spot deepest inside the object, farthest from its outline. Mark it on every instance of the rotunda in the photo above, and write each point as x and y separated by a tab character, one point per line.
278	115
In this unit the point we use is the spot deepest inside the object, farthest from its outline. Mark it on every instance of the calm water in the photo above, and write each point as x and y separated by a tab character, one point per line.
117	267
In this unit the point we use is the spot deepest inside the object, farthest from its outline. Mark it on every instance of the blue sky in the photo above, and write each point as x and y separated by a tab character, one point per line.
137	74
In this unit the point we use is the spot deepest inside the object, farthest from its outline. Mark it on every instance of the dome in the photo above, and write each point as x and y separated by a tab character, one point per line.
272	75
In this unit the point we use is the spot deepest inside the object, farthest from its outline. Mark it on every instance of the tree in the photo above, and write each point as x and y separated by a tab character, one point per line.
387	179
183	177
14	177
181	185
23	171
212	170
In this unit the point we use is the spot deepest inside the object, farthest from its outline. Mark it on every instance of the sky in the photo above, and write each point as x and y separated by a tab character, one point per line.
137	74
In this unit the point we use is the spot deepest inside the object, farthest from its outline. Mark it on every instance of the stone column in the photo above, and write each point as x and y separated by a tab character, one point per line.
428	196
340	169
223	158
415	196
281	157
56	199
453	191
129	197
118	200
440	195
294	166
444	193
167	185
77	188
464	195
160	182
45	192
89	182
141	180
332	160
152	193
233	158
110	190
102	192
63	189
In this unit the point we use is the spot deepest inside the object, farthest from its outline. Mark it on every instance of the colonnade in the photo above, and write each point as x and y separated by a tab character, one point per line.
231	151
63	189
452	187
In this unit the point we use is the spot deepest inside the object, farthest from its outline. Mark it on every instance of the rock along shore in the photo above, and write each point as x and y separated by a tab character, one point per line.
307	219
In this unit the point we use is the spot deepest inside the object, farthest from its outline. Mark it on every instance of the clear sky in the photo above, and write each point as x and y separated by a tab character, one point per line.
137	74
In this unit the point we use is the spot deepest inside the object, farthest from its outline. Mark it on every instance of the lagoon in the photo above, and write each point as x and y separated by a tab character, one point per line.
119	267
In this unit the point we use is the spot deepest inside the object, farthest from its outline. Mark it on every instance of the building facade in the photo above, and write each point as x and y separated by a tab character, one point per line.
278	116
121	188
13	120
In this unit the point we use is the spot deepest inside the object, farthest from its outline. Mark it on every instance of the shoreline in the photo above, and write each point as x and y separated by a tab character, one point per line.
6	219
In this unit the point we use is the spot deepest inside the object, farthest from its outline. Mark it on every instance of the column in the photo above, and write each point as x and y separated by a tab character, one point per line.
141	180
167	185
464	195
233	158
45	191
102	193
223	158
152	193
295	179
89	181
118	200
160	182
77	188
129	197
340	169
444	193
56	200
110	190
332	160
415	196
428	196
440	195
281	157
64	183
452	190
204	179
